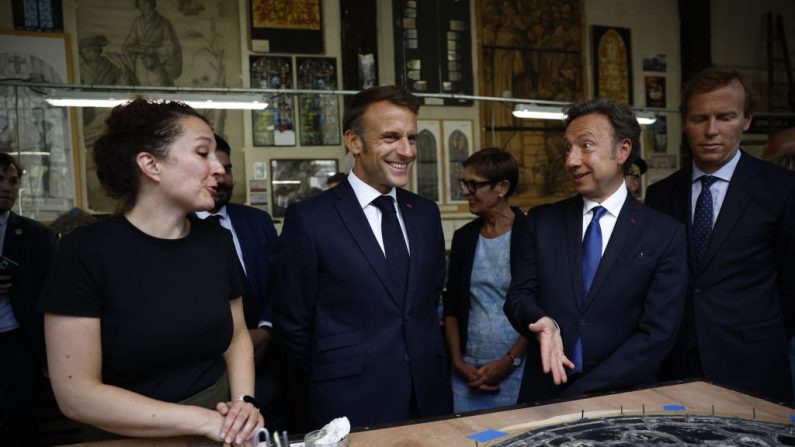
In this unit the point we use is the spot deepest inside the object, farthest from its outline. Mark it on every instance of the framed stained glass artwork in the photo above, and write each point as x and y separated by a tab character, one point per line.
273	126
319	113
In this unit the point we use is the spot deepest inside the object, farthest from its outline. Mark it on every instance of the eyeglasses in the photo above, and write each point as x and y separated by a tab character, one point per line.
471	187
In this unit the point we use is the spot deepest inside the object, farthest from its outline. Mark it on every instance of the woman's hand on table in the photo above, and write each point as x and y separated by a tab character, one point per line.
241	421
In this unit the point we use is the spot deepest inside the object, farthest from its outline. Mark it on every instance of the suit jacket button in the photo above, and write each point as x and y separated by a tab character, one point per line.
406	358
582	322
697	292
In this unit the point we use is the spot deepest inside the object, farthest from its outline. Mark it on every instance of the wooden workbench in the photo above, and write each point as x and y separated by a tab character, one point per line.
698	397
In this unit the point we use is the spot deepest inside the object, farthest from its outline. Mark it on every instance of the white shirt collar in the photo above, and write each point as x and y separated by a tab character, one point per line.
205	214
725	173
612	204
364	192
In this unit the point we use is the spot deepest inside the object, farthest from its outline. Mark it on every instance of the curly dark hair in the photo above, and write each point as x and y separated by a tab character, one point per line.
621	117
138	126
496	165
356	105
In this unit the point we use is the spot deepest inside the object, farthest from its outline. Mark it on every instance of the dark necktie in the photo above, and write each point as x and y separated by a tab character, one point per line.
214	218
397	255
591	255
702	217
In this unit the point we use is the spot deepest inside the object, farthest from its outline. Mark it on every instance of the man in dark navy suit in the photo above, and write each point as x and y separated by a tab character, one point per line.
357	275
600	279
27	249
740	213
255	238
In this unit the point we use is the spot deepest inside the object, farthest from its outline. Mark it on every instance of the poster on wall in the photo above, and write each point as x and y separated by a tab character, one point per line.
35	133
148	43
433	48
287	26
274	125
655	91
612	61
319	113
458	147
428	166
37	15
296	180
359	49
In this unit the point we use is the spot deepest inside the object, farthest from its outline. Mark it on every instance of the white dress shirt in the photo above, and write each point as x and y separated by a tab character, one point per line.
718	189
607	223
365	194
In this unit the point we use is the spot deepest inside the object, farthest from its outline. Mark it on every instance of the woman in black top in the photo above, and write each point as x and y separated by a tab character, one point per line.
143	311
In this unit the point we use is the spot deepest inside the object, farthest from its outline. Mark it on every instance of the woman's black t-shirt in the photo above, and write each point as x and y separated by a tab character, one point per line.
163	304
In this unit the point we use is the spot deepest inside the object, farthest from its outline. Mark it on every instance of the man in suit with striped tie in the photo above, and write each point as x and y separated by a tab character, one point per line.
600	279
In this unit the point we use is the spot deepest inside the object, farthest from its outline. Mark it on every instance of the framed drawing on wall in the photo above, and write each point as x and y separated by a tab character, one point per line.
296	180
612	61
428	169
458	146
274	125
38	135
319	114
287	26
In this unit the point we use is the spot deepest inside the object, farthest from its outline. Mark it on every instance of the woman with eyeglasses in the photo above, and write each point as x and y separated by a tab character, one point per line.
486	351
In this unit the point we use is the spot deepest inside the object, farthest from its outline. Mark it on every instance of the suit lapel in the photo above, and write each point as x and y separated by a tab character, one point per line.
415	248
626	223
741	188
574	247
11	243
353	217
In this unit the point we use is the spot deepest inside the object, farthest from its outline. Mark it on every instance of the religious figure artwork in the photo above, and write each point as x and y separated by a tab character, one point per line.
319	113
612	64
287	26
274	125
182	43
530	49
458	142
427	170
296	180
38	135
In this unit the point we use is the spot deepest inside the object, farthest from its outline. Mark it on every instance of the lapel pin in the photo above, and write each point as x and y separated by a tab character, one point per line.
18	231
409	205
632	220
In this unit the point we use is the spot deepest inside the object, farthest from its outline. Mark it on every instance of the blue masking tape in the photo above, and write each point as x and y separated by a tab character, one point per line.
674	407
487	435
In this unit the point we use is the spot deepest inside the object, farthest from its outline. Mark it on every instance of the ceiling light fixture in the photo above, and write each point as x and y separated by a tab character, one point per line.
73	98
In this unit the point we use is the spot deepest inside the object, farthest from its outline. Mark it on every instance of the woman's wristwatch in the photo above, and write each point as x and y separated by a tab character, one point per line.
250	400
515	359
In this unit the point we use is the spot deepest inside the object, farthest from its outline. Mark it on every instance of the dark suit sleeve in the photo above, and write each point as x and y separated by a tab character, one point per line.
521	304
294	288
269	231
641	354
786	247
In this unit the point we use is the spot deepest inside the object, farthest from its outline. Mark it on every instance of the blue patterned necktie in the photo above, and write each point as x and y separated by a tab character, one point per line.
397	255
591	255
703	215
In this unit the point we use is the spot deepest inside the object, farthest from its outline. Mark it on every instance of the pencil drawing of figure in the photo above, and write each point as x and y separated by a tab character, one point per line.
153	46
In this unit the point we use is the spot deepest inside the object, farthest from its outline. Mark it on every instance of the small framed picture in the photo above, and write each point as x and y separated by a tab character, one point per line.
296	180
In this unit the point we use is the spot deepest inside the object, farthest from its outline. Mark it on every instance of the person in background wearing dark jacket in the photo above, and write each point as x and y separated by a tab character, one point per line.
254	237
740	213
27	249
486	351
